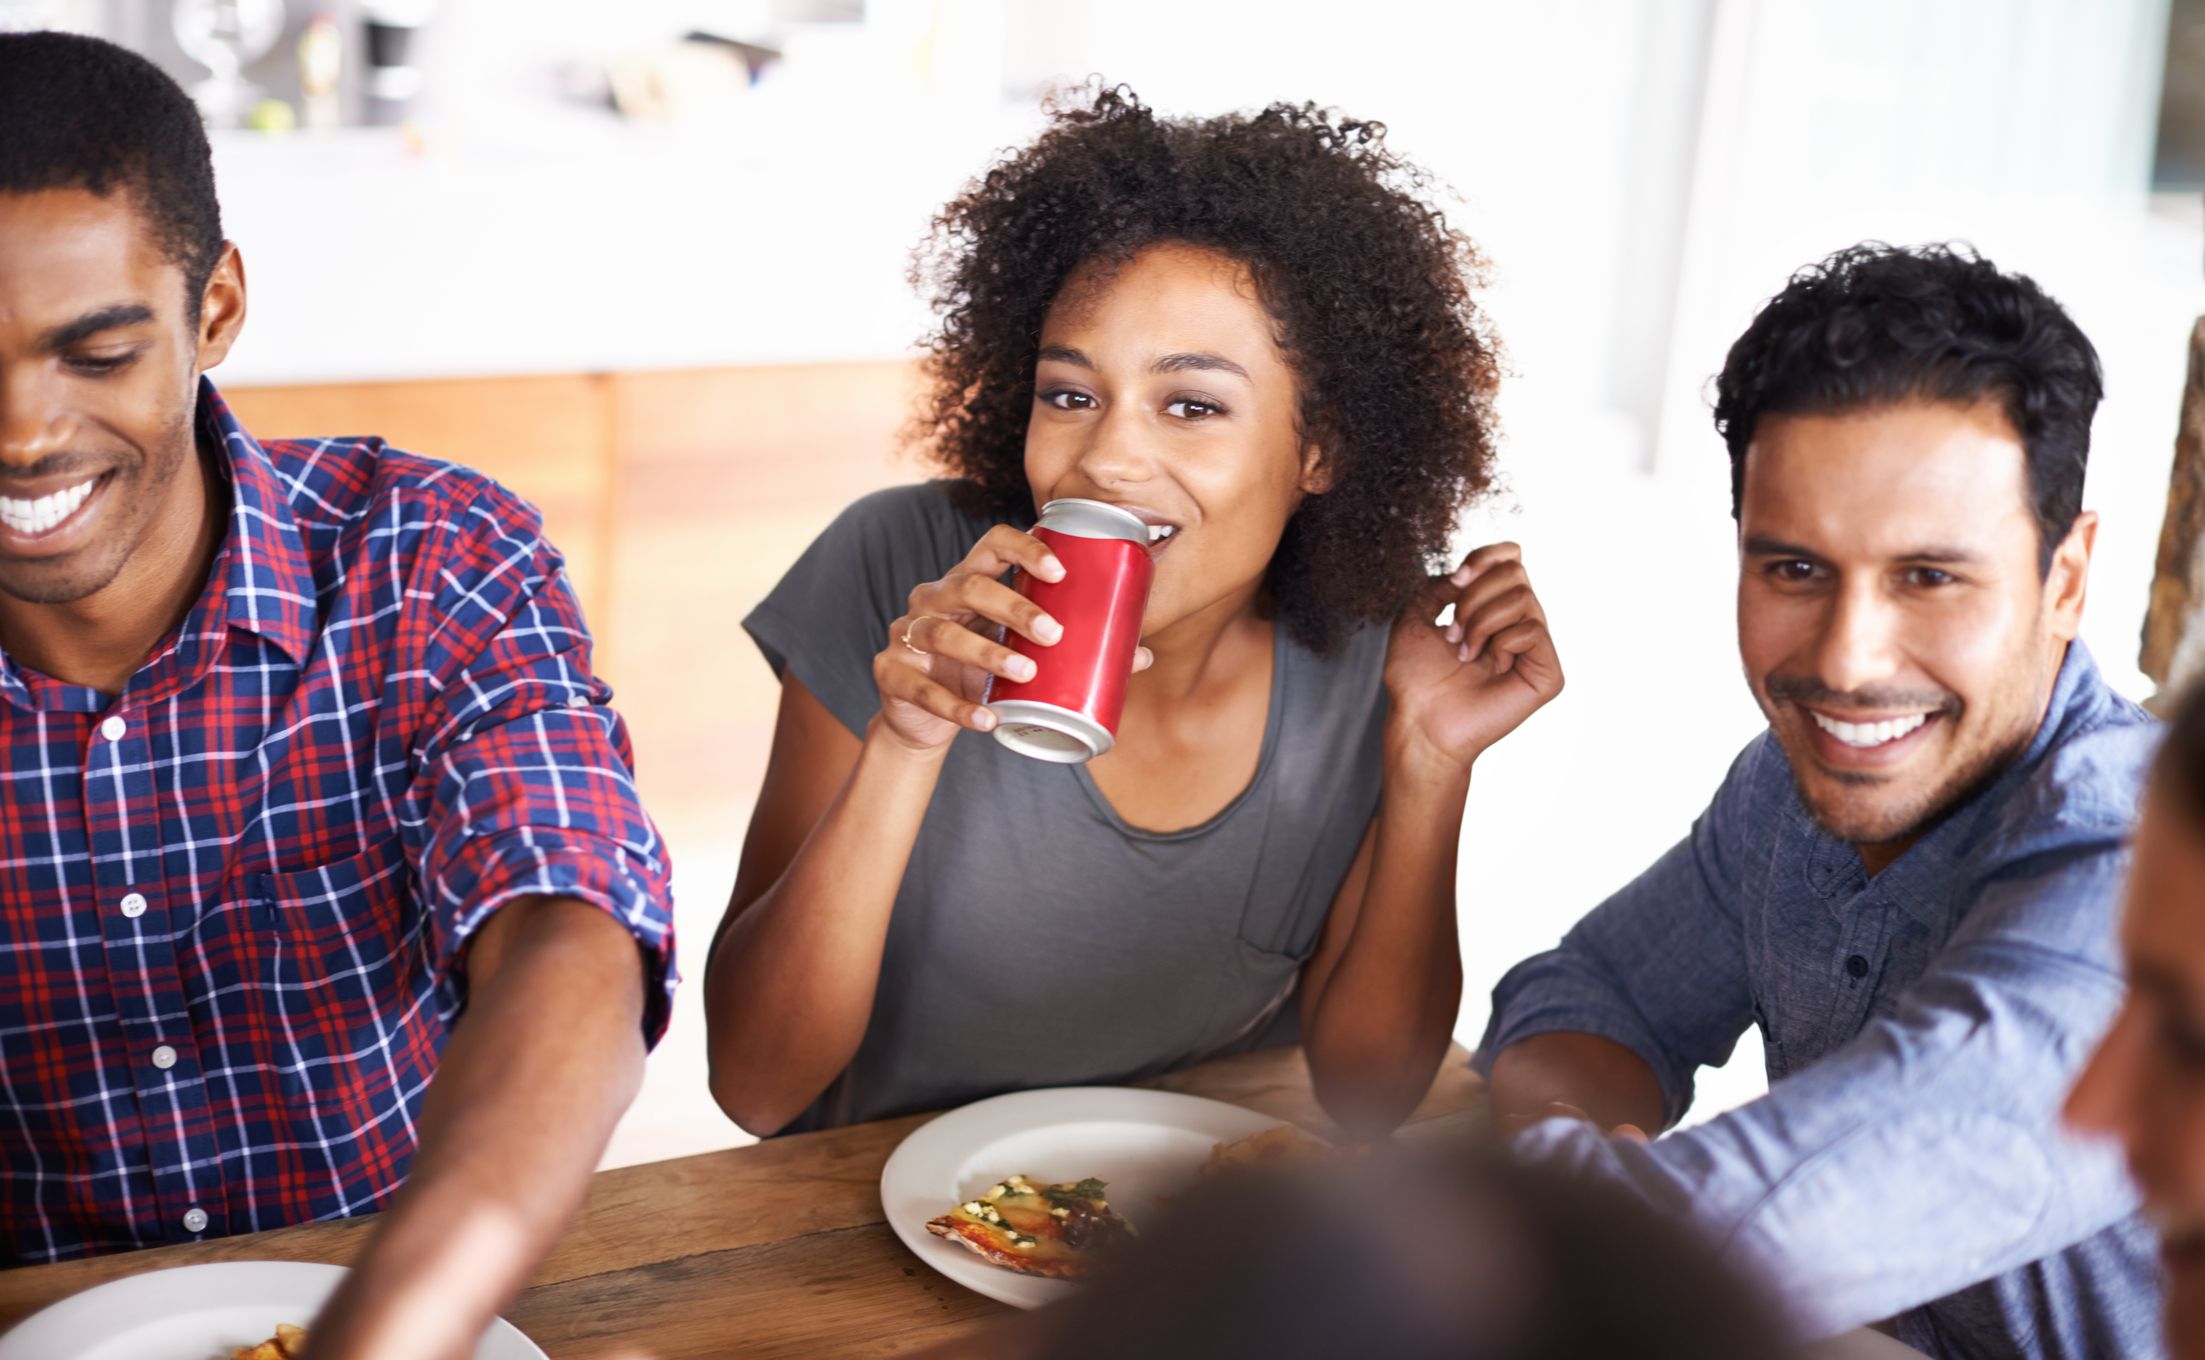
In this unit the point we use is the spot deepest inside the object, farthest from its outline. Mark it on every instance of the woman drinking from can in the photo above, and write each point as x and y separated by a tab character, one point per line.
1252	335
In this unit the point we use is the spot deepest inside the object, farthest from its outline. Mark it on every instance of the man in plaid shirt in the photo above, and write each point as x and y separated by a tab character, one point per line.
321	867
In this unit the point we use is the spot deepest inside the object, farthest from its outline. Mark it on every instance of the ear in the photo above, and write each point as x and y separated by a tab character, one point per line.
221	308
1319	474
2069	579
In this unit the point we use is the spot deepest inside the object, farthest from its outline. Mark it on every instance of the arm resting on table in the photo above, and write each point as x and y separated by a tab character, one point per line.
1607	1082
548	1055
789	986
1380	995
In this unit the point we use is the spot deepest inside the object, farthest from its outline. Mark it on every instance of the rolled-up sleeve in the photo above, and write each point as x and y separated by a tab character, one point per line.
1659	968
1926	1154
523	776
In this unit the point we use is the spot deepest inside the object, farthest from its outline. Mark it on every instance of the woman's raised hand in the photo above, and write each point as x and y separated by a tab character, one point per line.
1461	688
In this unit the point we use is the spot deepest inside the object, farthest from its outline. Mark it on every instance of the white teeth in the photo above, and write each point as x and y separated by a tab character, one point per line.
47	512
1157	533
1864	735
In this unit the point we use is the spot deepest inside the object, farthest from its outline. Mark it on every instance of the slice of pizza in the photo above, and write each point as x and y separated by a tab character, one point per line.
1057	1231
1283	1145
289	1343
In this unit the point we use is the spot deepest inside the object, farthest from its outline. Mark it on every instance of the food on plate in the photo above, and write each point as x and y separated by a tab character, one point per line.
1283	1145
1055	1231
289	1343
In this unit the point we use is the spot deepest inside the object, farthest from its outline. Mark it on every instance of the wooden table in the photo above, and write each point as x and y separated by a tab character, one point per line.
778	1249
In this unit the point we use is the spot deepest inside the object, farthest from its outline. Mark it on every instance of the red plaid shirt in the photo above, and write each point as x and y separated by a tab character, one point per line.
231	898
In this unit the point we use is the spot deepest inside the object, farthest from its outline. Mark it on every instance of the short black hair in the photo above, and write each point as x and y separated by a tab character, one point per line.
1370	284
1877	324
80	113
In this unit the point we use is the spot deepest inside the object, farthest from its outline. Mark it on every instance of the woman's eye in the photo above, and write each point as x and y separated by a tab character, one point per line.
1064	399
1187	408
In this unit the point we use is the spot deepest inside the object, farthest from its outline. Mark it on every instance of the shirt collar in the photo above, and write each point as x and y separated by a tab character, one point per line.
270	581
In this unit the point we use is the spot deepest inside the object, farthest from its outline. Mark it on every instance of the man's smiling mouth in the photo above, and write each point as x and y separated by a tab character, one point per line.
37	517
1864	736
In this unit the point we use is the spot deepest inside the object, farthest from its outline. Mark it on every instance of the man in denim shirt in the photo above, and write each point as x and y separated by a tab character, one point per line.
1910	881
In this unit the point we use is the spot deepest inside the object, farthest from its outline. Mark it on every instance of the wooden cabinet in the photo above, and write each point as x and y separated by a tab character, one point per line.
678	499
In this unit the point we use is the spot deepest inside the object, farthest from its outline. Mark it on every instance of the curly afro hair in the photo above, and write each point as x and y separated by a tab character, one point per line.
1369	286
1876	324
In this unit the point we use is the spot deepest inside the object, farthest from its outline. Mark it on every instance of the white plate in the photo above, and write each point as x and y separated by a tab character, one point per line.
1146	1144
200	1313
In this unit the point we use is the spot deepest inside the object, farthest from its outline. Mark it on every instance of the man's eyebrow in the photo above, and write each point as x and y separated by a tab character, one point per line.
1200	359
1762	545
92	323
1943	553
1065	354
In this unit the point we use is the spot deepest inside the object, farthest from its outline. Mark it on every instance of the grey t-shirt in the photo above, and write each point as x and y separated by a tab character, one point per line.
1037	939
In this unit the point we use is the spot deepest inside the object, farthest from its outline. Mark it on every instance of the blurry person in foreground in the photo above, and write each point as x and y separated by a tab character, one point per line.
2146	1086
1410	1257
1908	882
325	872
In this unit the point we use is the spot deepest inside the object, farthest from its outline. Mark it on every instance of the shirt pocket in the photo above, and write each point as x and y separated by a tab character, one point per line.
345	963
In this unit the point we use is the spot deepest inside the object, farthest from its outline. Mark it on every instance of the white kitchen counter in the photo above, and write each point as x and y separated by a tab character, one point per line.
576	243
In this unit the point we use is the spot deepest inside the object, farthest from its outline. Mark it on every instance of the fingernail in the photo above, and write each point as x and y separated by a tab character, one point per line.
1020	667
1461	576
1052	568
984	719
1454	632
1463	651
1048	629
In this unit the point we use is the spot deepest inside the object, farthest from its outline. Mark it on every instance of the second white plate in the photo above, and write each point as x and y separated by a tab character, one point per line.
199	1312
1147	1144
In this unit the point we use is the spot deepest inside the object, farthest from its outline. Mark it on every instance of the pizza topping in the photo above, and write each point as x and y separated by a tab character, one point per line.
1036	1229
288	1343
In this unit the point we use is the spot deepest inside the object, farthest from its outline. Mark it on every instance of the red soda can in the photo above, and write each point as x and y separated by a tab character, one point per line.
1069	711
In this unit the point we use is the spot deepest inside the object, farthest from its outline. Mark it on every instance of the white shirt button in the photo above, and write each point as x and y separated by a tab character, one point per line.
113	729
164	1058
133	905
195	1220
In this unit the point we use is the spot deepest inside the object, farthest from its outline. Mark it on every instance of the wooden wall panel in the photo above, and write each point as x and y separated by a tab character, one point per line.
548	438
724	477
679	498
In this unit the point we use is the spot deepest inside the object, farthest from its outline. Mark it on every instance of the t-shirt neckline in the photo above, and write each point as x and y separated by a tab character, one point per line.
1280	650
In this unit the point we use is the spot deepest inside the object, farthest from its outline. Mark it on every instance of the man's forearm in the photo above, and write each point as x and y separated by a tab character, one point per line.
1598	1077
547	1057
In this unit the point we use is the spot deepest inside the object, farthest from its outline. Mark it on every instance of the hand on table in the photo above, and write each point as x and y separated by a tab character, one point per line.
1555	1109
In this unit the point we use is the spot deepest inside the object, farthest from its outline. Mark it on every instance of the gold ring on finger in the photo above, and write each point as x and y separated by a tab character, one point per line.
914	648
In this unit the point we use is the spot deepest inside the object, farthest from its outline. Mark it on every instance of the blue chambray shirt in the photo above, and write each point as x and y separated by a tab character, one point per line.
1922	1030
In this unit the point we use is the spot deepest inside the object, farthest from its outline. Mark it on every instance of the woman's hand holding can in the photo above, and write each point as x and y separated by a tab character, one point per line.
934	670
